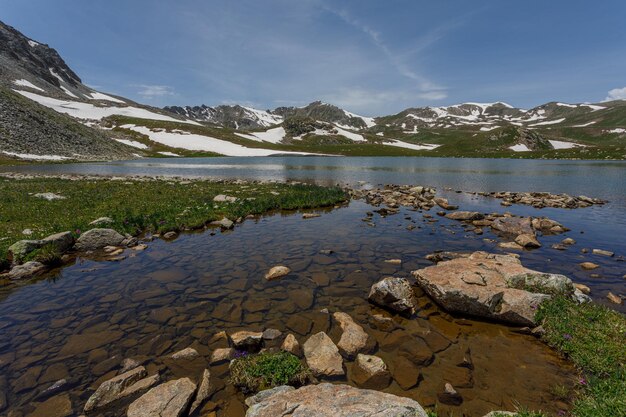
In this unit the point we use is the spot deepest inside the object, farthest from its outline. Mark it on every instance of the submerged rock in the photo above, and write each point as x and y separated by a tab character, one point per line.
278	271
465	216
121	386
395	294
491	286
330	400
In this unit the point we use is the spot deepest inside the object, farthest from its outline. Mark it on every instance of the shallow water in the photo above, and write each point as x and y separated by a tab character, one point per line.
180	293
83	321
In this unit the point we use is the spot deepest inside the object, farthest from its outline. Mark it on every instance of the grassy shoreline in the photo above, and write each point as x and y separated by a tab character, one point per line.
137	205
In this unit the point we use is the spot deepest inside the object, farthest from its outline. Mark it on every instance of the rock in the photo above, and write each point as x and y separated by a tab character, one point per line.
393	261
170	399
491	286
128	364
187	354
204	391
500	414
449	395
370	372
59	406
528	241
49	196
568	241
405	373
61	241
27	270
310	215
221	355
278	271
170	235
443	203
602	252
583	288
334	400
322	356
271	334
118	387
224	223
465	216
291	345
101	221
395	294
221	198
580	297
263	395
614	298
246	340
445	256
513	225
95	239
510	246
21	248
353	338
589	266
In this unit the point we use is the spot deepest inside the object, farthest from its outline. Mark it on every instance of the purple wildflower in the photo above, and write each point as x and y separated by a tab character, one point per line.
567	336
582	381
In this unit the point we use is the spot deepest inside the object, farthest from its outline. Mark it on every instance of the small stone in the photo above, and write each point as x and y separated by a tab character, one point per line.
370	372
27	270
224	223
322	356
278	271
310	215
394	293
49	196
393	261
568	241
583	288
59	406
602	252
450	396
589	266
527	241
170	235
614	298
113	389
185	354
204	391
291	345
221	355
353	337
271	334
221	198
247	340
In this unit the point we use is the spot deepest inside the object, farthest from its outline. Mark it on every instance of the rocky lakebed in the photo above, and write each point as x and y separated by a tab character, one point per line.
403	299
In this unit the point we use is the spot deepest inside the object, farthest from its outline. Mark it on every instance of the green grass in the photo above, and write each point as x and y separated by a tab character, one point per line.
257	372
136	206
593	337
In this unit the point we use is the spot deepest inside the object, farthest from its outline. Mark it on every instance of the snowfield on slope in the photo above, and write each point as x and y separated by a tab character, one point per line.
559	144
193	142
26	83
34	157
401	144
89	111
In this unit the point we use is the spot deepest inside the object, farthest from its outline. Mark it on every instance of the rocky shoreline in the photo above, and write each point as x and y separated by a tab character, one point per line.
494	287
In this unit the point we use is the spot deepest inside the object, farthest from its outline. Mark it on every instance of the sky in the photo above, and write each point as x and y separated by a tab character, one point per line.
372	57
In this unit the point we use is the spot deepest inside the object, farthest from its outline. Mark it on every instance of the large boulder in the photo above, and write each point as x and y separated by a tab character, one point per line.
18	251
322	356
353	338
330	400
513	225
395	294
170	399
492	286
61	241
95	239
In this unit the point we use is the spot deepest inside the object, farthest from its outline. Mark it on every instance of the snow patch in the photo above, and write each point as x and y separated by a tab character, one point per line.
350	135
487	129
34	157
101	96
132	143
519	148
33	43
617	130
400	144
265	118
26	83
559	144
549	122
567	105
168	153
68	92
91	112
274	135
369	121
585	125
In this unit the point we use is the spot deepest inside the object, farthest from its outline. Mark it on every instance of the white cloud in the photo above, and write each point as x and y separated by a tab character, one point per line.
153	91
616	94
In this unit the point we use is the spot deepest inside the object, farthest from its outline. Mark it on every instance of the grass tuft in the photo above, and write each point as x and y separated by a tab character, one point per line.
253	373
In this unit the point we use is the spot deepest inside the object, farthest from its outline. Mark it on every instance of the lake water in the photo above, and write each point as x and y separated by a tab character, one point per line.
83	320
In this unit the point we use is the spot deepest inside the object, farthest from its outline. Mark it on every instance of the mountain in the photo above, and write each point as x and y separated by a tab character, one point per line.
234	117
46	112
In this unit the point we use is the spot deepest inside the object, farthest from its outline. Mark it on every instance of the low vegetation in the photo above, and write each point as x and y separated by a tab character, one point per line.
593	338
136	206
253	373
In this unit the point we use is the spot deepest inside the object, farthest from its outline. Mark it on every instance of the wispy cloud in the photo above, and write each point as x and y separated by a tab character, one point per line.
616	94
398	60
154	91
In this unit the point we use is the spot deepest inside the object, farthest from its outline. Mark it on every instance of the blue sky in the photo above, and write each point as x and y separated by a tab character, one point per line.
371	57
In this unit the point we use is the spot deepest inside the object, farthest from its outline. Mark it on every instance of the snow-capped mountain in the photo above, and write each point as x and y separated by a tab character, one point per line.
234	117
